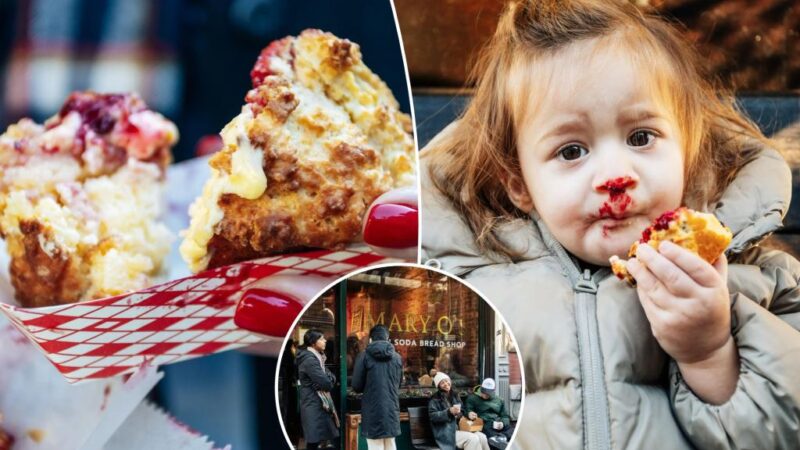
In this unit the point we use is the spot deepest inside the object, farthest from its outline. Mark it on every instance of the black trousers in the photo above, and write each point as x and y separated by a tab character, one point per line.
332	444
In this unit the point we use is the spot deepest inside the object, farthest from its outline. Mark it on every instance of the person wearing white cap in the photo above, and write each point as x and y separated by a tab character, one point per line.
491	409
444	409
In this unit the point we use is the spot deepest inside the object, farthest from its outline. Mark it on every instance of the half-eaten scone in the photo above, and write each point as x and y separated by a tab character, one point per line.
81	196
701	233
320	137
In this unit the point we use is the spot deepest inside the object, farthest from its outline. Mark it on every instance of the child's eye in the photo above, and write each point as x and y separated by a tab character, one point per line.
641	138
572	152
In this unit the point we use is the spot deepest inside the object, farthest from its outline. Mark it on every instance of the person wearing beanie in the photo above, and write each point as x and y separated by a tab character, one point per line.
491	409
317	416
444	410
377	373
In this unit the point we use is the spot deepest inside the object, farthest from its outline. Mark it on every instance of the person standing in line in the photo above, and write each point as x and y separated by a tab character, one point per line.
377	373
317	411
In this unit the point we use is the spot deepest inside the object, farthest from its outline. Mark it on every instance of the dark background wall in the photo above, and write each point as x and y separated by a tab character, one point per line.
752	45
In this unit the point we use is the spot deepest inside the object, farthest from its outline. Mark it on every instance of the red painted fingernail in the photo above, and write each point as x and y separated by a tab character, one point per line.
392	225
266	312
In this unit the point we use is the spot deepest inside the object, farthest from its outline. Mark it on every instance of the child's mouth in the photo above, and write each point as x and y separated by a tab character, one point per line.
610	224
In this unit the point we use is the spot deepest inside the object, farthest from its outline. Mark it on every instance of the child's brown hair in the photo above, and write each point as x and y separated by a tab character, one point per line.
472	163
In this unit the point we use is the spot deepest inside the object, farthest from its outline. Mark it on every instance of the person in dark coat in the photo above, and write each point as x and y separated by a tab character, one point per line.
317	412
378	372
444	410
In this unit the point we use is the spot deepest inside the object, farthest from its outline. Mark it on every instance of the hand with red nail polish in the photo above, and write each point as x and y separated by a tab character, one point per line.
391	226
271	305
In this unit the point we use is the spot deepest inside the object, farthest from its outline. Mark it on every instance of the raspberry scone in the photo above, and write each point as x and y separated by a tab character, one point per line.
319	138
80	199
698	232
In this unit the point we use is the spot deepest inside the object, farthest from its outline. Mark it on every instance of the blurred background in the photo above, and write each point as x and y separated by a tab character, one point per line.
190	60
752	46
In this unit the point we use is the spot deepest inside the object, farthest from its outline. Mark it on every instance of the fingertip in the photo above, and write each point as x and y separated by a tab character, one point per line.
633	266
723	259
721	264
266	312
301	288
392	226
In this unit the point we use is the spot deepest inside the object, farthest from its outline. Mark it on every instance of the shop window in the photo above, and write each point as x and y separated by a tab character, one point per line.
433	321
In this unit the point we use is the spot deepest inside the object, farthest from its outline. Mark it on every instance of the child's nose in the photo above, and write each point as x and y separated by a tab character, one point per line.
616	185
614	172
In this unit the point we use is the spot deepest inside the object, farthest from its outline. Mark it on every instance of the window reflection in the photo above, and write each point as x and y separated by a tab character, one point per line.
432	321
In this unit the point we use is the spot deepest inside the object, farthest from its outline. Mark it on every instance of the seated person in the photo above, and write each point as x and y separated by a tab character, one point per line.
444	409
491	409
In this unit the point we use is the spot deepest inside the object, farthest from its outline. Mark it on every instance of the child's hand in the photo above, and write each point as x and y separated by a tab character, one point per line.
685	299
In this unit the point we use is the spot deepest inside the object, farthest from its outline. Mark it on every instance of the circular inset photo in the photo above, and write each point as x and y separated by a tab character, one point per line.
399	357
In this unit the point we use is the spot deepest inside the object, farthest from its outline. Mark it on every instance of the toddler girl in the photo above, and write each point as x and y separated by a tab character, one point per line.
589	120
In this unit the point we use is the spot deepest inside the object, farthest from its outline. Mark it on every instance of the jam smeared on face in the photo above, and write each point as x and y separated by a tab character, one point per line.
661	223
618	201
617	186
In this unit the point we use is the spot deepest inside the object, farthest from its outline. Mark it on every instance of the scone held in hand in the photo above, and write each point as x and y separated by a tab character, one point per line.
698	232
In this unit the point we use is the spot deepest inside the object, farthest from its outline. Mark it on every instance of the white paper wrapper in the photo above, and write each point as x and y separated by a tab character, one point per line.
172	321
151	428
38	403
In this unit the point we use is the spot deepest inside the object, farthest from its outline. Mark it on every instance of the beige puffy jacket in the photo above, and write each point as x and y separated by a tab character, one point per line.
595	376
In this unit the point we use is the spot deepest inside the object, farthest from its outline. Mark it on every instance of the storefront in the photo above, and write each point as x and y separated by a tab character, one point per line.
435	323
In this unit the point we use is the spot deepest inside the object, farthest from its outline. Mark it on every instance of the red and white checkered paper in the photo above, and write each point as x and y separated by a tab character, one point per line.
167	323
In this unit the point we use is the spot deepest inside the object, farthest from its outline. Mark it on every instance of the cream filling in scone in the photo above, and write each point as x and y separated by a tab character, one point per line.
246	179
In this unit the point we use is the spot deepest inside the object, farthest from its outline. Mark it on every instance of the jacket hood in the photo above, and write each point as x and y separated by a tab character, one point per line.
752	206
755	203
381	350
